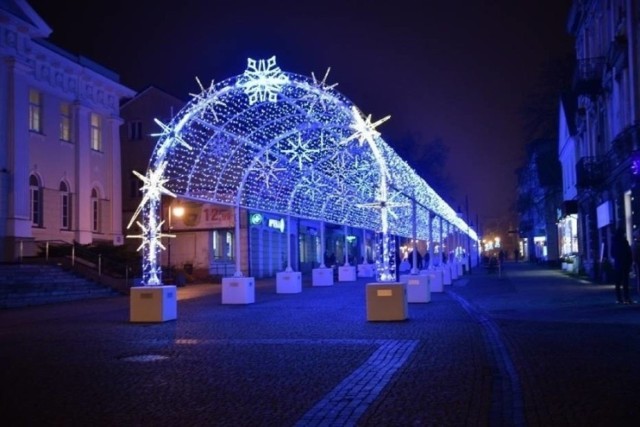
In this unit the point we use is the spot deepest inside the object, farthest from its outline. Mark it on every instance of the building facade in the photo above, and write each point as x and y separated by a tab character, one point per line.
600	139
539	196
59	141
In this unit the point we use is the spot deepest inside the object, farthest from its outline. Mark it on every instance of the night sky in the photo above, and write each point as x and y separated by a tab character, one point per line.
456	70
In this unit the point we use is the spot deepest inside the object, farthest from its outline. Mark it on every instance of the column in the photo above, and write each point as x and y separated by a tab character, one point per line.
82	186
15	164
113	137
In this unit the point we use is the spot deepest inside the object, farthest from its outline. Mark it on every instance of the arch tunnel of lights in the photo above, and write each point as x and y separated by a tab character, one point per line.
289	144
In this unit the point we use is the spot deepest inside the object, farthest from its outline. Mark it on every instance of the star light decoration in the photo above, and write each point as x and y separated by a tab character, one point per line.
227	133
322	95
151	235
384	204
207	99
169	136
263	80
364	130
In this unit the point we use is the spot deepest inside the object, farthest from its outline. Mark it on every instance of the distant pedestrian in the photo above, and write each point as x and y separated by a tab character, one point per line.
622	261
516	254
501	256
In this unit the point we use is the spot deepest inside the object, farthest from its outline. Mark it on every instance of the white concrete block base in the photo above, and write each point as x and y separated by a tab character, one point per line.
387	301
435	282
346	273
238	290
153	303
322	277
446	275
418	287
366	270
288	282
454	270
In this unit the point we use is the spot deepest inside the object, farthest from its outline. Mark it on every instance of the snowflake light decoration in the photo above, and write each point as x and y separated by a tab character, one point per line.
267	169
263	80
294	156
300	151
312	185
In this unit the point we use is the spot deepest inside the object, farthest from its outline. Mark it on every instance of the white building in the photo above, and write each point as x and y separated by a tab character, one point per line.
60	174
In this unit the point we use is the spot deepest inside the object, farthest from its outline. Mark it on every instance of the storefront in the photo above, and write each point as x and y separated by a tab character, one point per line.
268	244
568	235
204	238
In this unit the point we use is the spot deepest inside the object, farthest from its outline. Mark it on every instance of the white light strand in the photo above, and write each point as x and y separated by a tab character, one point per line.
290	144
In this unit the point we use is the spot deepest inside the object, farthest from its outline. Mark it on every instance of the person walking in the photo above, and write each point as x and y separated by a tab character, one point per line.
622	261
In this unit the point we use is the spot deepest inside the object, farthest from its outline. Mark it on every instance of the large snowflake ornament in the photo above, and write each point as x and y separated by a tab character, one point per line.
300	151
263	80
207	99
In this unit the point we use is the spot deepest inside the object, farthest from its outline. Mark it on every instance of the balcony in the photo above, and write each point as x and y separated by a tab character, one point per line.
589	173
587	78
623	145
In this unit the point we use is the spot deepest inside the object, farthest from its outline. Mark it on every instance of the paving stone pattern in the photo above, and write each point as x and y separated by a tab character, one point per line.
533	347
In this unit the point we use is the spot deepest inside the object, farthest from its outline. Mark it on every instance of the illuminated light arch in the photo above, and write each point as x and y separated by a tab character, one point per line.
284	143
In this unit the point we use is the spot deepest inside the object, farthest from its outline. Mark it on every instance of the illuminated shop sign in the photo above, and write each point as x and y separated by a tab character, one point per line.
255	219
278	224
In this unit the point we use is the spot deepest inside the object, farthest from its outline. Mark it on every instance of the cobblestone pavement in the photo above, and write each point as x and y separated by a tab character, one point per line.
531	346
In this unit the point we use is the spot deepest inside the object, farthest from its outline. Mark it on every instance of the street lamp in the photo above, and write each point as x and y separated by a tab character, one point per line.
178	211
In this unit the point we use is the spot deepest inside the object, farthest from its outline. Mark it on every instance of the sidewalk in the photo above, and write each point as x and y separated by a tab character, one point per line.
533	347
530	291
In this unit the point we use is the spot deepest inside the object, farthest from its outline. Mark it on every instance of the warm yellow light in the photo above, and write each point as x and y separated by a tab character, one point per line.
178	211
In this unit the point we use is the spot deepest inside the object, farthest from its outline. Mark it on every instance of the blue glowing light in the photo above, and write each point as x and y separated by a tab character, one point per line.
284	143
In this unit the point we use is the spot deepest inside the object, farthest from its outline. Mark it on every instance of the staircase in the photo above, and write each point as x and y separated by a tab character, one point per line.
23	285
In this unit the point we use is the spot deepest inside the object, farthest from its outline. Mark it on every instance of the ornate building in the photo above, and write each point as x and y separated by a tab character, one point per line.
60	174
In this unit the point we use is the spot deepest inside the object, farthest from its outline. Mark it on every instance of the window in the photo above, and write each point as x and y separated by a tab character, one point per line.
135	130
65	208
35	195
65	122
96	132
95	211
222	244
35	111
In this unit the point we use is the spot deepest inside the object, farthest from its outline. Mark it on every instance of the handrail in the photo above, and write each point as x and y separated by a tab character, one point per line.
87	262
